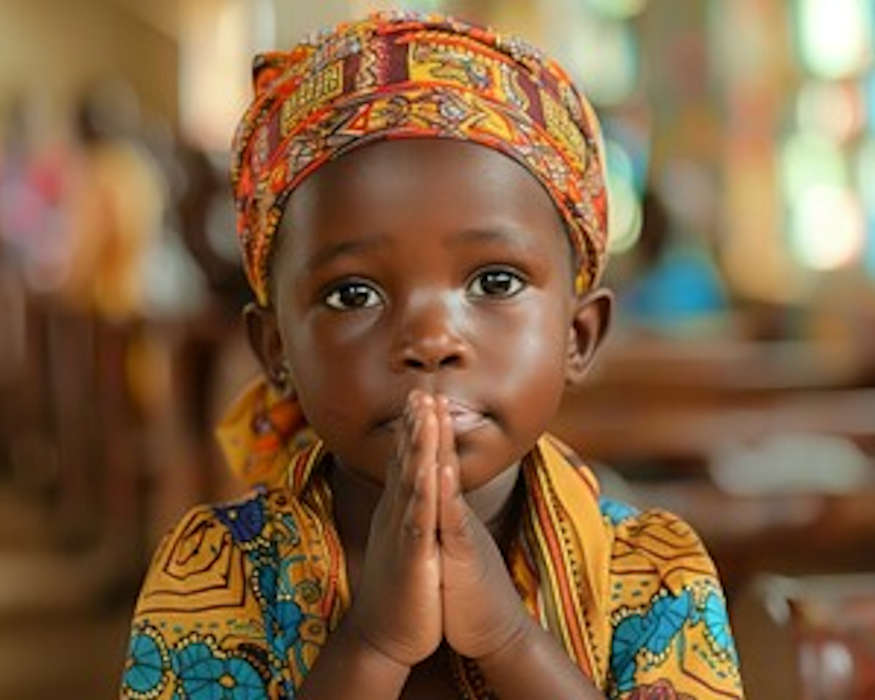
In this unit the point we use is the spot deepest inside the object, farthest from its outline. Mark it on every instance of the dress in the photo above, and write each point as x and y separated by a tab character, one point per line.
240	597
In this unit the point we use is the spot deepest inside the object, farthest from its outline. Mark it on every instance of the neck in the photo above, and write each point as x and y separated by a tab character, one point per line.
493	501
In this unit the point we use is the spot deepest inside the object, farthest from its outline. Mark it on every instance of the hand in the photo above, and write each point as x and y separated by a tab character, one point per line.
482	612
397	609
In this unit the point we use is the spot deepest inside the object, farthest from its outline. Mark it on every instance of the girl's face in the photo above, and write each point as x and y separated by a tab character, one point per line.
425	264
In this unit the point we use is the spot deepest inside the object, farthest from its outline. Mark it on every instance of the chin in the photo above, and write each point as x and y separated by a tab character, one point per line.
478	469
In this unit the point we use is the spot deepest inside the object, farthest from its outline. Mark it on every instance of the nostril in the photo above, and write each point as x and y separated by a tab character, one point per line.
453	360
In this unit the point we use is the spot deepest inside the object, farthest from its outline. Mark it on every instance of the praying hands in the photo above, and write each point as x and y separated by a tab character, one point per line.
432	570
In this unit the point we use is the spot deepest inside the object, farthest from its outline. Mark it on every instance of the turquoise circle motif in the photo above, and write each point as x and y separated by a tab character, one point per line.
144	670
205	675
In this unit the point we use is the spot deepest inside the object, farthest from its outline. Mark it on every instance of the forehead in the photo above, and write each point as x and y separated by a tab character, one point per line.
422	187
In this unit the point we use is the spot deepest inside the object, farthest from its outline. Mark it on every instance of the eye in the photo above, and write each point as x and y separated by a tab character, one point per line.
496	283
352	296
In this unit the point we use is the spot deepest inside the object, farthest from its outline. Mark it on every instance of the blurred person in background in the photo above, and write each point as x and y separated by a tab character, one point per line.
32	195
677	282
116	204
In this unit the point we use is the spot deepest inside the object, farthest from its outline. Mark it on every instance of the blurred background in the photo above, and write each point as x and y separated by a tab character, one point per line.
738	388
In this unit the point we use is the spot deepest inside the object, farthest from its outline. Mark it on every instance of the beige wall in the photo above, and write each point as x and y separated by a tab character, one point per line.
52	48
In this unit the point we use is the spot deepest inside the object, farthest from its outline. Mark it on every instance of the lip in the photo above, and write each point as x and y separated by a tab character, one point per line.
465	418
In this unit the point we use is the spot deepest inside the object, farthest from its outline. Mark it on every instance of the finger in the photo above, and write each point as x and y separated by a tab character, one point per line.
454	512
408	427
402	445
421	442
420	517
446	451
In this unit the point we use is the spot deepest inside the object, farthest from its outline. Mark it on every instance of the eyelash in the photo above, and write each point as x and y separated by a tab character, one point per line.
517	281
333	299
336	292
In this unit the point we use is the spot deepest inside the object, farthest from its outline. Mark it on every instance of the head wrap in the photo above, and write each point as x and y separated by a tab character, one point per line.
405	75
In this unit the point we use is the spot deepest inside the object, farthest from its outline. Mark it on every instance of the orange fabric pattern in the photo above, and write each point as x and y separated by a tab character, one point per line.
404	75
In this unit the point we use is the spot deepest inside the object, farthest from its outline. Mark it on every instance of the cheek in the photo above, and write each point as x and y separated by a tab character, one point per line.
333	371
529	356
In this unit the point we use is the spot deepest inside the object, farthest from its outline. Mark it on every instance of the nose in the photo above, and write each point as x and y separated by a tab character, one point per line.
428	342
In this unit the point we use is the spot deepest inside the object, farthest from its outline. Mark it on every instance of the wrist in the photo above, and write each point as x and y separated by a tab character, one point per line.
349	666
360	645
532	664
519	637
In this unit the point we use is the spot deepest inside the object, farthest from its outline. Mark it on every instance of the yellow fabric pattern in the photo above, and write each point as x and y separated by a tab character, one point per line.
241	597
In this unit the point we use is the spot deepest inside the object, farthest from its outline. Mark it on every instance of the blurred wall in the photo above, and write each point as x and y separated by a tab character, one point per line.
52	48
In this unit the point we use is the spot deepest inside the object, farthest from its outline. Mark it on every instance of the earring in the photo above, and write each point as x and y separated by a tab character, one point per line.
280	377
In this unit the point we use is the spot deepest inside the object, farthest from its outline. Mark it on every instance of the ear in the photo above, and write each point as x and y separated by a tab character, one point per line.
589	326
267	344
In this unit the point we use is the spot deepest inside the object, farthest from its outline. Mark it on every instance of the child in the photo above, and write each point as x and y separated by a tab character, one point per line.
422	213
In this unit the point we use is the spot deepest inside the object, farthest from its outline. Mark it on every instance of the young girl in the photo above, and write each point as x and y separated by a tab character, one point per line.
422	213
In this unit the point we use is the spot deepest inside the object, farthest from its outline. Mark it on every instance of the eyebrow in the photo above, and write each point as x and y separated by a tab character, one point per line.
331	252
325	255
498	234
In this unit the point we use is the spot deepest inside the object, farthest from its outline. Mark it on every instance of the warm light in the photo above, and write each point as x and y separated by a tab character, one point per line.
809	159
621	9
827	228
604	58
835	36
832	109
217	42
624	214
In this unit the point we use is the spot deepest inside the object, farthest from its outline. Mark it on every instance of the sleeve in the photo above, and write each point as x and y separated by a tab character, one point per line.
670	634
198	628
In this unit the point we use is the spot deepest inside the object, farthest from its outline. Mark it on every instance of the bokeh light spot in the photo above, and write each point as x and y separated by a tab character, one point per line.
835	36
827	227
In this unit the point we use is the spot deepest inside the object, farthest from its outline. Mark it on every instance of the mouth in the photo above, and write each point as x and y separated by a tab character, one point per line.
465	418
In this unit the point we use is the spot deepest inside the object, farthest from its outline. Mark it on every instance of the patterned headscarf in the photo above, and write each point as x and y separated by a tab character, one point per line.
404	75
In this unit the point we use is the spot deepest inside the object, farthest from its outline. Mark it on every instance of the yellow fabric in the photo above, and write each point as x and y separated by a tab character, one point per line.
244	595
259	432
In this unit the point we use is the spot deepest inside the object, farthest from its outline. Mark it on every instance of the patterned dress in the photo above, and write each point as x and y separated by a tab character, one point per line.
241	597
